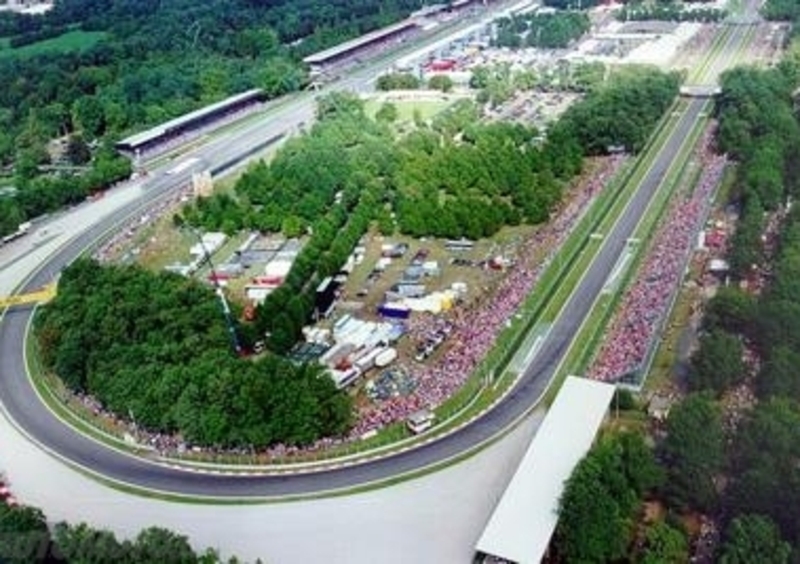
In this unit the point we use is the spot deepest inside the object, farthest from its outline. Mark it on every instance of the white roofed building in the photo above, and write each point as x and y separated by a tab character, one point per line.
520	528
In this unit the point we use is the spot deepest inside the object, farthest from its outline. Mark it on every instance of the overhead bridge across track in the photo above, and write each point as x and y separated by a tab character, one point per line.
44	294
700	91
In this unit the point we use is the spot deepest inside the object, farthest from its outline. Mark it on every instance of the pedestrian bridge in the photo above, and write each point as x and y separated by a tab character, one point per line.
700	90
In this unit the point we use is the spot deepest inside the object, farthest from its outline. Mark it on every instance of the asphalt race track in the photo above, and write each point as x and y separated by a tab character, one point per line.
25	409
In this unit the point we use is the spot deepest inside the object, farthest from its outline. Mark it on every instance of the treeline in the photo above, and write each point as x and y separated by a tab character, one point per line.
622	114
36	36
156	348
285	312
26	539
671	12
781	10
158	60
499	83
36	194
756	459
398	81
757	127
545	31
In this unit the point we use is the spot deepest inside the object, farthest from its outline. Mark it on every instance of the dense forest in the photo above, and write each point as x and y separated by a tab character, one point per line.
155	60
737	465
155	347
26	539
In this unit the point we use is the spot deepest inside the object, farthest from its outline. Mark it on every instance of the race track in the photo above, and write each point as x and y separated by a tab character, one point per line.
26	410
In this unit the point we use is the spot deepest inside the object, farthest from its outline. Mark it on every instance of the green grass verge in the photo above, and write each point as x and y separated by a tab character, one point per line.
406	108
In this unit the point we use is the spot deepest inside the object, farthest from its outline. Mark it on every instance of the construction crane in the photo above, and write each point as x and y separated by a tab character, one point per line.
226	310
40	296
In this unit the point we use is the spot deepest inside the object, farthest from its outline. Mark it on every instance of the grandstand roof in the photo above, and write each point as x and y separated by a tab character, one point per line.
523	522
151	134
342	48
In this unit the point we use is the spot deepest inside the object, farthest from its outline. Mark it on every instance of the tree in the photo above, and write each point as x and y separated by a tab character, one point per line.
24	537
780	374
339	104
765	477
717	364
599	500
81	543
731	309
161	546
693	453
591	527
78	152
387	113
754	538
664	544
87	112
397	81
440	82
480	77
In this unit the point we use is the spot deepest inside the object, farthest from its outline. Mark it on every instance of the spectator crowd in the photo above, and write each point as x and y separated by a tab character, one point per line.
470	332
475	330
646	303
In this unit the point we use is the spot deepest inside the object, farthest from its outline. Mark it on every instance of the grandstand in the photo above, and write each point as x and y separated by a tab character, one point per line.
148	141
321	61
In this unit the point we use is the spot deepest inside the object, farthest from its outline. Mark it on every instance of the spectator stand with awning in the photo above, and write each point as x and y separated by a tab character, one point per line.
185	123
337	53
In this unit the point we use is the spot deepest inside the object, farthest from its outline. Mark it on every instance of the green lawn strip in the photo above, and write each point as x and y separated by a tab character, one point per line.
591	333
75	40
738	55
744	46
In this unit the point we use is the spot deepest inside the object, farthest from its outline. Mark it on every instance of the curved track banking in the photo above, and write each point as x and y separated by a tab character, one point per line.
26	410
